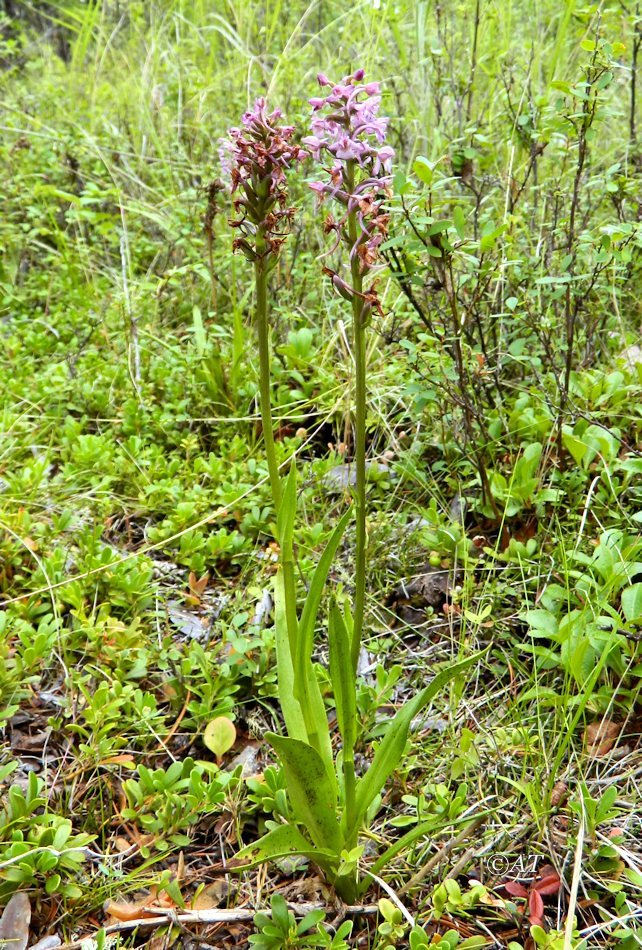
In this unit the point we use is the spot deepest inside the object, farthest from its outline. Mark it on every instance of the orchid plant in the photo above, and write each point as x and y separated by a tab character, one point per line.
330	805
348	130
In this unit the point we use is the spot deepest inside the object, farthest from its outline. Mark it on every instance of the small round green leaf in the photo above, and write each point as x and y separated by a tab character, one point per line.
632	603
219	735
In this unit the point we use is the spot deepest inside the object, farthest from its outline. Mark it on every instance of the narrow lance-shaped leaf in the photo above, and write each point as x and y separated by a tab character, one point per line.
312	794
392	745
290	706
287	510
313	599
306	687
318	724
343	678
459	220
285	530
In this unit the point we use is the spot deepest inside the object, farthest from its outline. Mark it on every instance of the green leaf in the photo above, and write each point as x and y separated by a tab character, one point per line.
632	603
282	842
280	913
313	796
53	884
310	921
423	169
389	911
391	747
439	227
459	220
317	584
633	876
580	656
343	677
606	803
200	336
219	736
305	685
290	706
422	830
542	622
320	738
573	445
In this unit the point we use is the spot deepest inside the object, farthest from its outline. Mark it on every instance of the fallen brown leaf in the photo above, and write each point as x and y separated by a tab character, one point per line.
126	910
14	924
601	736
213	895
148	905
559	793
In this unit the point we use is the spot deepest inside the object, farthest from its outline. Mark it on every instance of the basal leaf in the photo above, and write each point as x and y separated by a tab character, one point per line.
318	729
305	685
281	842
312	794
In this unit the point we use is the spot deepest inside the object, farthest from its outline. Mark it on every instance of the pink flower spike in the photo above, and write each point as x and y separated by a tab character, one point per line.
254	159
347	125
323	80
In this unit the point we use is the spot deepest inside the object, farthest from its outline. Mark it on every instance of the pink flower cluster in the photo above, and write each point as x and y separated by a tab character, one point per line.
347	126
256	158
351	127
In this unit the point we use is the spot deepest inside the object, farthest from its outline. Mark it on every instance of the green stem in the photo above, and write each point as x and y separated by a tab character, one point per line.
359	344
349	785
260	278
287	554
